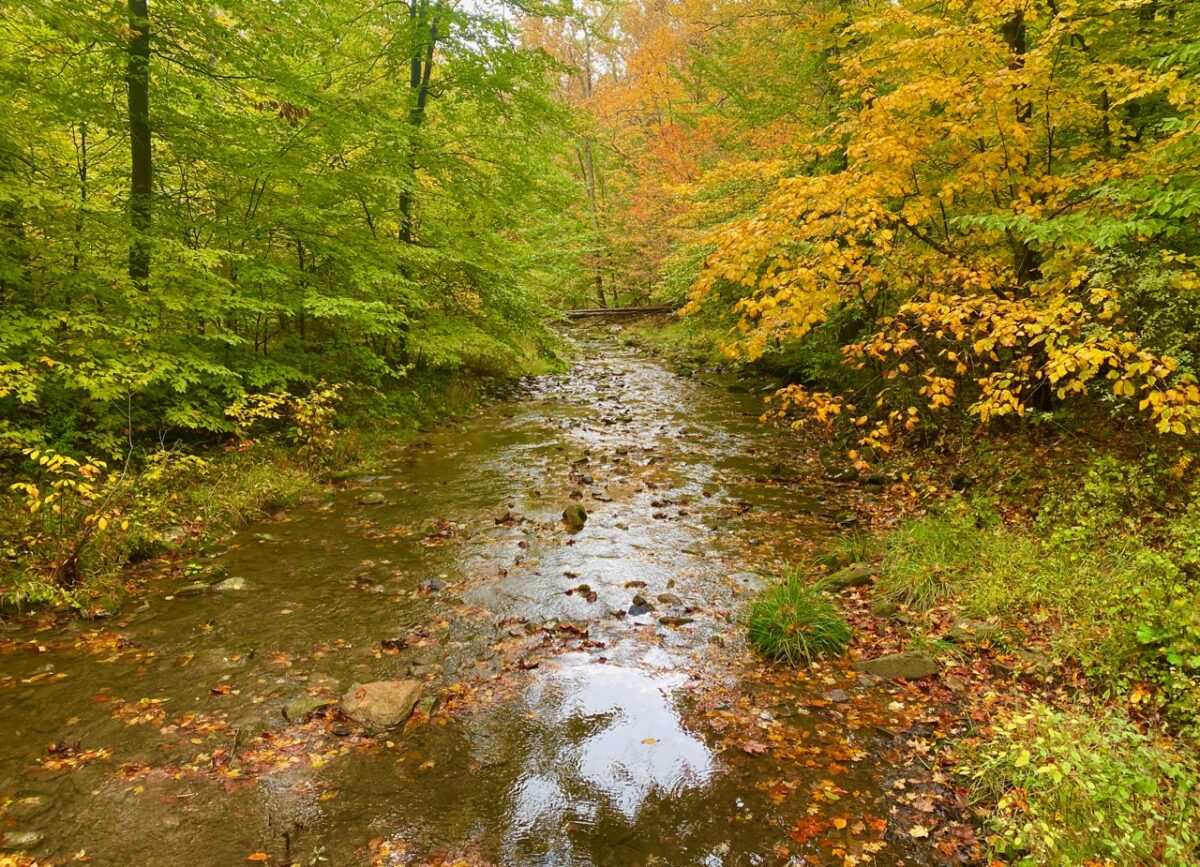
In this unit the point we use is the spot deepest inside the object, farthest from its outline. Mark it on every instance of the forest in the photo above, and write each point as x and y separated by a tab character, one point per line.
829	368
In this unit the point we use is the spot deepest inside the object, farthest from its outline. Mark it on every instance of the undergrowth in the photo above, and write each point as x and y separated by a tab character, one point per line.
71	527
1066	787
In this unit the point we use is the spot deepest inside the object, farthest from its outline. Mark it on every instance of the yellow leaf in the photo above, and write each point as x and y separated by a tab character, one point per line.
918	831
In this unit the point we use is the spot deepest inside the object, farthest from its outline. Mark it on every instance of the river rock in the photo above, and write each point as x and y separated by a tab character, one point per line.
372	498
575	516
669	599
232	584
852	576
911	665
382	704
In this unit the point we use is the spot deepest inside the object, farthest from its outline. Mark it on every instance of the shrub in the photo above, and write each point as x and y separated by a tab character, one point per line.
1065	788
794	623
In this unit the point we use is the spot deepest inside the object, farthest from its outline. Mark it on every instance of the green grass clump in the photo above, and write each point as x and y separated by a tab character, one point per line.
1067	788
924	559
794	623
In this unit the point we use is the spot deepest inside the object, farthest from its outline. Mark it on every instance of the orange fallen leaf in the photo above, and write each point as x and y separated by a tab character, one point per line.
258	856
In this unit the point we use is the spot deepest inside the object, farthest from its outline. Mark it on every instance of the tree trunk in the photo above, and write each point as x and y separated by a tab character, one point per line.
420	70
141	175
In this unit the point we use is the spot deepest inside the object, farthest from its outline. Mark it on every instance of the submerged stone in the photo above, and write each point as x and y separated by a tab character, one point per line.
231	585
372	498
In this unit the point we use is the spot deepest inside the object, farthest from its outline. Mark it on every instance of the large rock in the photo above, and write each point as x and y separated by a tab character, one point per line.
575	516
911	665
382	704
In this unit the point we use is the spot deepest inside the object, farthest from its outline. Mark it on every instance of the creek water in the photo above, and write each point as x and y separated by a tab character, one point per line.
561	724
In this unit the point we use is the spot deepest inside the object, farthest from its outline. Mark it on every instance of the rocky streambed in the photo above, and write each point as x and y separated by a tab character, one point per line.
517	644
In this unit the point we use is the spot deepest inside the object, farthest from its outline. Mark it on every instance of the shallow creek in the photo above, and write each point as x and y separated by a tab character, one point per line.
558	726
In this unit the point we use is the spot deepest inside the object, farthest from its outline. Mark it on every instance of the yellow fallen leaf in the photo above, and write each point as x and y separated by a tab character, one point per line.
839	823
918	831
650	740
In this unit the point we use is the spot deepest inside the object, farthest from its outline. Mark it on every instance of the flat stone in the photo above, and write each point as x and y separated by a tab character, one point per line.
910	665
675	620
372	498
232	584
669	599
381	704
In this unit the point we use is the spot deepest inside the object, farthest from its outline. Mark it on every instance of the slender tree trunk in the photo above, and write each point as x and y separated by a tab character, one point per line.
589	173
141	176
420	70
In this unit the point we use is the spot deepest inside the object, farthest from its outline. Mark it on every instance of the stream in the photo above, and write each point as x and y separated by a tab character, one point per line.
560	723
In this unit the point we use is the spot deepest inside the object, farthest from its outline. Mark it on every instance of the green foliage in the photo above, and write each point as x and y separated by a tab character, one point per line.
1119	602
1064	787
794	623
315	215
924	560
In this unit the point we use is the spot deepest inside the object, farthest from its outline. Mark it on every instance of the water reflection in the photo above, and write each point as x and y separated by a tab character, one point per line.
611	739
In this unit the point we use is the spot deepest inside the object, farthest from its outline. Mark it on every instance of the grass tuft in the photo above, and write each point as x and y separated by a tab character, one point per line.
794	623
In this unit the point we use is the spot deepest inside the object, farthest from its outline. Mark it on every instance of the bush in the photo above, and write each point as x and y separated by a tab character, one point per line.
794	623
1066	788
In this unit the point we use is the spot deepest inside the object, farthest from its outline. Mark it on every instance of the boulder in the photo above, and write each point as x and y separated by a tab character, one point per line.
372	498
381	704
575	516
910	665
